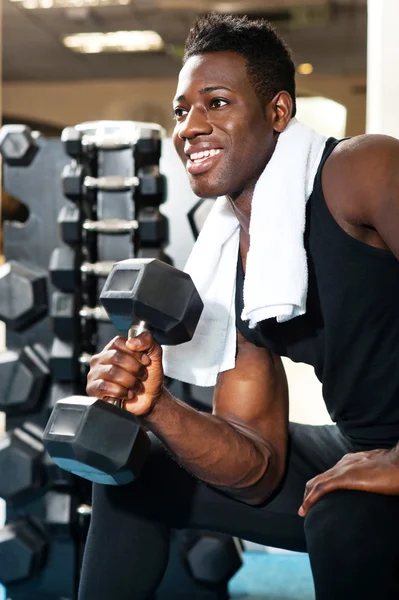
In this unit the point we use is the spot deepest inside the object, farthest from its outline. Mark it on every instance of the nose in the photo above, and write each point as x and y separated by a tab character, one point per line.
196	123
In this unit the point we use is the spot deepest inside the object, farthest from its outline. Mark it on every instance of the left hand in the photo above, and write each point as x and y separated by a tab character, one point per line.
373	471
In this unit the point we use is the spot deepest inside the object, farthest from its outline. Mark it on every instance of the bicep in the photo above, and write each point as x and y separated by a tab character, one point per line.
253	396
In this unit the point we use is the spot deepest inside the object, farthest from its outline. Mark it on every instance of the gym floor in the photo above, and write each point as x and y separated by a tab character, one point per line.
273	576
267	576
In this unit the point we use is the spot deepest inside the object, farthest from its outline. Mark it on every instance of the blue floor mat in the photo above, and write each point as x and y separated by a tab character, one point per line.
273	577
269	577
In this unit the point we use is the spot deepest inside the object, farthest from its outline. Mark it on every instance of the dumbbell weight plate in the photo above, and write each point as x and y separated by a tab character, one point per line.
96	440
23	295
22	551
23	378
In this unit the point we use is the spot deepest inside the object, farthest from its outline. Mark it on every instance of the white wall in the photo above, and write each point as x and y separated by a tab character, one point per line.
382	67
73	102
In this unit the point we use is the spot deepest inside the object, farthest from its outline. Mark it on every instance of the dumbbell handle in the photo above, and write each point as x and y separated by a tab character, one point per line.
96	312
115	141
135	330
110	226
101	268
115	183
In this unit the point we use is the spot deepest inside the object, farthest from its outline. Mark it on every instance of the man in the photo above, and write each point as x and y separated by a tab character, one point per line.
332	491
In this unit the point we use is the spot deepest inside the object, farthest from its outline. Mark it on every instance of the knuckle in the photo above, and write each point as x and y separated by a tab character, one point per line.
94	360
347	456
118	357
309	486
112	372
102	387
318	487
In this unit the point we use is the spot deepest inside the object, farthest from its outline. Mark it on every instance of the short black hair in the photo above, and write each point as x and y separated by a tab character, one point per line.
270	66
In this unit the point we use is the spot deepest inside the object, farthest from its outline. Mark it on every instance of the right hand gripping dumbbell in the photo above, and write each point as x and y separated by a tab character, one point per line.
98	440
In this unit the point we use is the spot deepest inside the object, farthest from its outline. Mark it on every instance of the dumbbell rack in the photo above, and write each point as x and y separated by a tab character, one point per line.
106	209
40	546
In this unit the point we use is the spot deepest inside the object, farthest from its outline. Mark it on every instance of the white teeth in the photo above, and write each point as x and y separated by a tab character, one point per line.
204	154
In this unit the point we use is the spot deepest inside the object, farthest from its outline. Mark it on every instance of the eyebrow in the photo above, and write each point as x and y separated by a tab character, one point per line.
205	90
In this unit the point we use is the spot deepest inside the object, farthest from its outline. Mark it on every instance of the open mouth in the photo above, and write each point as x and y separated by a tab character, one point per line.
199	162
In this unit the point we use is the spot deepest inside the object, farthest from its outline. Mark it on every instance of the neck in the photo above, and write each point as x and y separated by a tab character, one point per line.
241	205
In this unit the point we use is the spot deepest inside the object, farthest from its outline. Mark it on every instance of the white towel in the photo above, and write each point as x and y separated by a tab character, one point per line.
276	279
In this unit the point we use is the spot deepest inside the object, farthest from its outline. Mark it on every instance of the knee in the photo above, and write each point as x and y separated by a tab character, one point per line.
351	518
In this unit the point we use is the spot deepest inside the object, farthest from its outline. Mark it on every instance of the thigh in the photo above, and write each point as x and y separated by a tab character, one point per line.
352	539
165	492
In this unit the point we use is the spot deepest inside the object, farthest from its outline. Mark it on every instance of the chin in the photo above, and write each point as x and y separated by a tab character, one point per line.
208	189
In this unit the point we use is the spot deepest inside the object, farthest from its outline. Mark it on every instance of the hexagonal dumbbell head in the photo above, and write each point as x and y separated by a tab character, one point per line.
23	378
89	438
214	557
151	292
71	139
22	474
23	295
22	551
17	145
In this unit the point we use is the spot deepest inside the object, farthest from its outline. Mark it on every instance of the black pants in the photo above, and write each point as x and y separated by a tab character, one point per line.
352	537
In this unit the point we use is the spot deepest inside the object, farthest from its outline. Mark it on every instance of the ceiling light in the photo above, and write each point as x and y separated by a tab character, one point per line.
305	69
114	41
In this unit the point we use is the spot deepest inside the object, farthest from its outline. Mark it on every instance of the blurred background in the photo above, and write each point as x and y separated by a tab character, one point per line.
65	62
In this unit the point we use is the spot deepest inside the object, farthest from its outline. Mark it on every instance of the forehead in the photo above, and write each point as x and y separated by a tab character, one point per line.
211	69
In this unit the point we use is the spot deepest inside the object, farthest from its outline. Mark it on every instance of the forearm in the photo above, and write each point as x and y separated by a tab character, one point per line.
219	452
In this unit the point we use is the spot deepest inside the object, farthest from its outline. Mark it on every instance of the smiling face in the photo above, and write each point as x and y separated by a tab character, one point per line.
223	135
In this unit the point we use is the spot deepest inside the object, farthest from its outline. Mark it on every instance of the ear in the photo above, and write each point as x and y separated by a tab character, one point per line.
282	107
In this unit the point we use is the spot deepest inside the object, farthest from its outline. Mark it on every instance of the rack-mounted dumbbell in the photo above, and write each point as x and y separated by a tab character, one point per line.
66	269
144	141
151	226
67	316
148	187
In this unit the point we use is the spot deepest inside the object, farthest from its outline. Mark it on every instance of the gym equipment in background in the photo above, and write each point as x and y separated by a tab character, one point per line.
55	323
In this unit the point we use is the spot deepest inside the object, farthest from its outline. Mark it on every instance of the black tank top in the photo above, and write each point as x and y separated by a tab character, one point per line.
350	331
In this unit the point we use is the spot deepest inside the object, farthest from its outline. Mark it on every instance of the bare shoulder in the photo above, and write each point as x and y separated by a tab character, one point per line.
356	173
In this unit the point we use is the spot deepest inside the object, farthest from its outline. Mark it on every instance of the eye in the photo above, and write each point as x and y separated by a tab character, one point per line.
179	112
218	102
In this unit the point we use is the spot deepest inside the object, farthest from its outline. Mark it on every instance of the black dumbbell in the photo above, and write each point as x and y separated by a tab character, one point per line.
18	145
152	188
147	150
23	548
72	225
71	139
21	464
67	363
23	294
61	513
72	179
24	375
152	227
27	471
149	186
65	269
98	440
211	558
66	315
154	252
